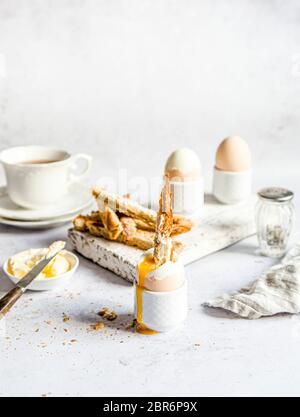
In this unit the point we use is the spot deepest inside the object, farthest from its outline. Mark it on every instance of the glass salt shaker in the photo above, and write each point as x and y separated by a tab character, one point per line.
274	220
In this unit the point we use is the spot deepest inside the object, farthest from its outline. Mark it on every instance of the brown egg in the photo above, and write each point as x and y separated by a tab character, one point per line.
233	155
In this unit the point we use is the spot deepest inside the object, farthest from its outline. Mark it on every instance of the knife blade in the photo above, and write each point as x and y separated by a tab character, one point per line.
13	295
34	273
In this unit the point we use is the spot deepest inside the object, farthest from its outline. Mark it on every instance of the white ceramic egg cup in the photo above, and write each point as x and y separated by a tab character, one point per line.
188	198
164	311
232	187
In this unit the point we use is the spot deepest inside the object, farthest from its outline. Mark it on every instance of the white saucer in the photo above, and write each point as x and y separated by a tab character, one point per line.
39	224
78	198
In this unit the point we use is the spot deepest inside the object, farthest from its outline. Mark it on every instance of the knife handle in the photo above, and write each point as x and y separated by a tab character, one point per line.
7	302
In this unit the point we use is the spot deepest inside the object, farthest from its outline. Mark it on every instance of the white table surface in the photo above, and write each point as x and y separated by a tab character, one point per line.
121	80
214	353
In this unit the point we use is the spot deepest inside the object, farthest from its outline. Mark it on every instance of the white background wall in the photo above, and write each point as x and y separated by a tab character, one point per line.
129	81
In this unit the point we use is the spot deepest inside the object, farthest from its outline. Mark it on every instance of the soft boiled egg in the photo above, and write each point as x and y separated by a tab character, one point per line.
155	286
233	155
183	164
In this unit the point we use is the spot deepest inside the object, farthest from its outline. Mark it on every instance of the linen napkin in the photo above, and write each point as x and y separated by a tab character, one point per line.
275	291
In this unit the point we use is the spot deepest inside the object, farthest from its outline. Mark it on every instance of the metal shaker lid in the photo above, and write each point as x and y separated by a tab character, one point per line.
276	194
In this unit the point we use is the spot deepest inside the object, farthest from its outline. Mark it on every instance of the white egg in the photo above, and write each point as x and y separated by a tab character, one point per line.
183	164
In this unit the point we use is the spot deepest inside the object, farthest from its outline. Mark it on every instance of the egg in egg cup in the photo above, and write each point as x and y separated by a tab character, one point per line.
161	295
160	285
232	181
183	168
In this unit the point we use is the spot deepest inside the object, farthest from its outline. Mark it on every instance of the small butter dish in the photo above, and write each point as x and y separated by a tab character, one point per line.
49	283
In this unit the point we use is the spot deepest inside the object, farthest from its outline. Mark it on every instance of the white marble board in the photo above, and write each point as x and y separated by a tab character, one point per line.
221	226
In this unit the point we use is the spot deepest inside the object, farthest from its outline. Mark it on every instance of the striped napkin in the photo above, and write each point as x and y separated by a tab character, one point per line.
275	291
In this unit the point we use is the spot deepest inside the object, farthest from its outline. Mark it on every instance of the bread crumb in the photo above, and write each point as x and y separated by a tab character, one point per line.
108	314
65	318
97	326
131	325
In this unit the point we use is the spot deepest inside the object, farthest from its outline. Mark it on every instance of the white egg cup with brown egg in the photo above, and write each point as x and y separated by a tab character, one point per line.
183	169
161	300
232	181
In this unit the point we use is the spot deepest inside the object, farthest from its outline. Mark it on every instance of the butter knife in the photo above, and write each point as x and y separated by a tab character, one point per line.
8	301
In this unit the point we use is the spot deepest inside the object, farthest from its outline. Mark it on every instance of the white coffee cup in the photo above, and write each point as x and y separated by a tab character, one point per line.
38	176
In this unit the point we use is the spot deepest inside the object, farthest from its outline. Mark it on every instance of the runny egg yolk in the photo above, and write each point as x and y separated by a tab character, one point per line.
146	266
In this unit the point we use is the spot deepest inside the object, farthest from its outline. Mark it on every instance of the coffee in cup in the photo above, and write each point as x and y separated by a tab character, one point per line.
39	176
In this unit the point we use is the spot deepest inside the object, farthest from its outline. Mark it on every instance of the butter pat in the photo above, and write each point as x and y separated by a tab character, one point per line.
20	264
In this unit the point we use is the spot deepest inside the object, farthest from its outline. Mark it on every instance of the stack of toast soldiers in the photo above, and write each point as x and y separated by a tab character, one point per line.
123	220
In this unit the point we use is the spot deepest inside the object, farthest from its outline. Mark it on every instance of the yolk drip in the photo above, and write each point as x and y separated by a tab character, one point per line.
147	265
